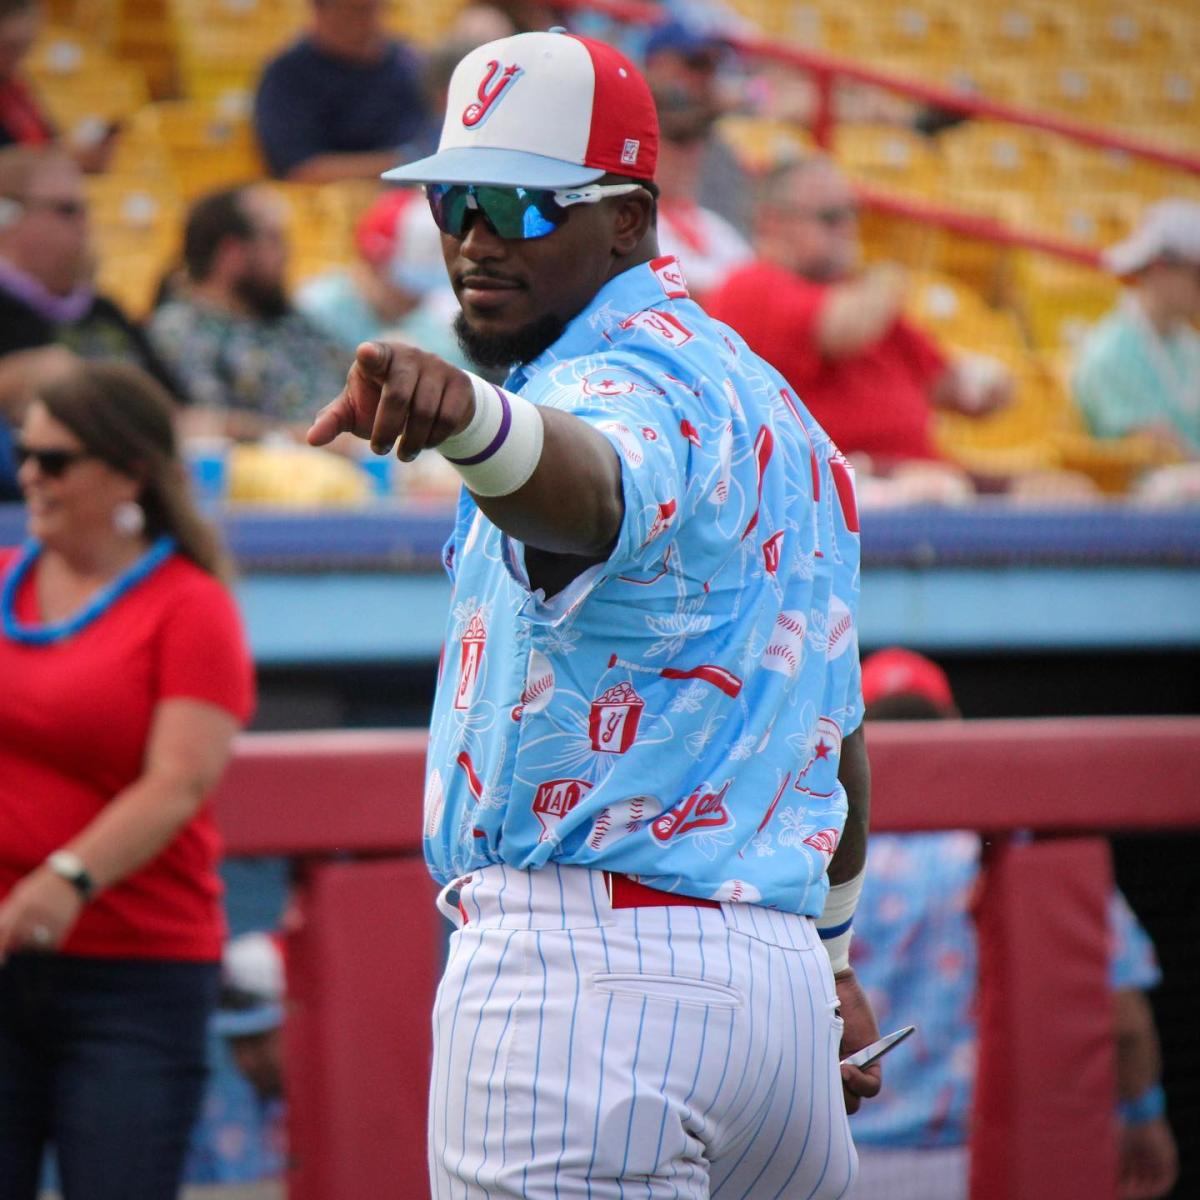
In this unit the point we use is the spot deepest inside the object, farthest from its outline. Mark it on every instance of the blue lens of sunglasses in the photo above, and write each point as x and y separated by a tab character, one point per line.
516	214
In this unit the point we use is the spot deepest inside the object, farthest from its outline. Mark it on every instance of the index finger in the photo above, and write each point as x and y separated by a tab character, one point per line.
332	420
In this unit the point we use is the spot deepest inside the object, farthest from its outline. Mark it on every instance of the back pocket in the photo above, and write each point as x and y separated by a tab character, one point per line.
677	989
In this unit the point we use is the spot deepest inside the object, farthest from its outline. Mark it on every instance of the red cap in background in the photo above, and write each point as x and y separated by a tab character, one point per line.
899	672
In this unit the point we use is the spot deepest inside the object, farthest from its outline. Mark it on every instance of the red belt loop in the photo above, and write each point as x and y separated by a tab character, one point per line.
624	892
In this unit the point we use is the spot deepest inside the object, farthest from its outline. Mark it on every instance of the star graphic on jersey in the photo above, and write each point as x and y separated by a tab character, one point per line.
822	749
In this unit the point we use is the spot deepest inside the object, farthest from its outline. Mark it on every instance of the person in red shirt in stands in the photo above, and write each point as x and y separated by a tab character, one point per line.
125	677
836	331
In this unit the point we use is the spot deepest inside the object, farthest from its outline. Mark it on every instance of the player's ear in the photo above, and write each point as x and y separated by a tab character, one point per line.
633	216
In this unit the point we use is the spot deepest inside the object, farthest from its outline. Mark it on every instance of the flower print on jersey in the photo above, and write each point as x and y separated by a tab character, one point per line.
743	748
557	640
793	827
698	741
674	630
691	699
763	844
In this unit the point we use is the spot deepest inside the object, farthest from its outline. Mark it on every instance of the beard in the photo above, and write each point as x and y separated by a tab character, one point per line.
265	298
501	350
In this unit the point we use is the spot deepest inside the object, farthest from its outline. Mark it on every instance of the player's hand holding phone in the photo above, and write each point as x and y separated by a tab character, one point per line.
861	1029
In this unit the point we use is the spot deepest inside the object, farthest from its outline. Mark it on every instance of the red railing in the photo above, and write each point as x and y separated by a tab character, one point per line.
364	939
827	70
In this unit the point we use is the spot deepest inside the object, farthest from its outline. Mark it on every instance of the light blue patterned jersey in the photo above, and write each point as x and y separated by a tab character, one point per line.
677	712
915	954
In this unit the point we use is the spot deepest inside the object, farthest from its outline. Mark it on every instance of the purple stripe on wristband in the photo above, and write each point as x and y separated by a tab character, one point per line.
496	442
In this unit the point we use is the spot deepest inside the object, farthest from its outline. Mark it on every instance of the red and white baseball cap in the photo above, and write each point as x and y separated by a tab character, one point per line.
542	110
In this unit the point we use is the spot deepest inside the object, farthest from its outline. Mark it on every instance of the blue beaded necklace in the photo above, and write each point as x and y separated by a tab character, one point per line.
44	635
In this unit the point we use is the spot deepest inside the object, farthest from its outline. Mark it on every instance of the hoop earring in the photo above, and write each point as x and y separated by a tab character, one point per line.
128	519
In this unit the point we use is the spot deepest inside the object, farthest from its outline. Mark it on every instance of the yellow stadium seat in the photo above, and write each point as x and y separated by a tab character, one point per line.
1018	30
761	143
1092	94
1094	219
224	44
1128	32
920	30
1059	300
991	155
889	157
1017	440
958	316
208	147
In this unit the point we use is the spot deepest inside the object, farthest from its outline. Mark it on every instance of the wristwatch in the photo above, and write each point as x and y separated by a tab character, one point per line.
70	867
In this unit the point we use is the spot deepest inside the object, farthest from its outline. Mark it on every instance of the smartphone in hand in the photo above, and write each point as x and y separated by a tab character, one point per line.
876	1050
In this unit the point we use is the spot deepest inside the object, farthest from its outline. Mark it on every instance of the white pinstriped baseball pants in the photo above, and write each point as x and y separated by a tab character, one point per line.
682	1052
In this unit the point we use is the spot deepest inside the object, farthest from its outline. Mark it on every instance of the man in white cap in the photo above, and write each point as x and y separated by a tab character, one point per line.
1139	369
645	767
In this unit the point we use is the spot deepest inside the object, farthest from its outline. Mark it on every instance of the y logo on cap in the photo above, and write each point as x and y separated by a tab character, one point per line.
490	92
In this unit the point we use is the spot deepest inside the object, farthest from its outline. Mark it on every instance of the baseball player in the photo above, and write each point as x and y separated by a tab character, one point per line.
646	766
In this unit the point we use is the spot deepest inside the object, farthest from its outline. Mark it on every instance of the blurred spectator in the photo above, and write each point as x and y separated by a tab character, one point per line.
915	953
126	676
241	1135
49	309
22	121
398	287
1139	369
248	359
343	101
705	243
837	332
682	67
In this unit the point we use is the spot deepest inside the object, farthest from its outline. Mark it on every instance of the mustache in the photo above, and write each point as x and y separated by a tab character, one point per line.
483	275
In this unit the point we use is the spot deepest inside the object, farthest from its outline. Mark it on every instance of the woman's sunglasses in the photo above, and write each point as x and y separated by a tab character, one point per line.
52	463
515	214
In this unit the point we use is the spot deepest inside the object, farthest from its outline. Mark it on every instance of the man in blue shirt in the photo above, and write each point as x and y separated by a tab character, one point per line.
646	791
341	102
916	955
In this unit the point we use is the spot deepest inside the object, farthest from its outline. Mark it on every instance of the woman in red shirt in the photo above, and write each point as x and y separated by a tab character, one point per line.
125	676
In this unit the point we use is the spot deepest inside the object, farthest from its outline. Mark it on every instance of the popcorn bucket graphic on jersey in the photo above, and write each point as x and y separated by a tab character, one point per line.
471	656
555	798
613	720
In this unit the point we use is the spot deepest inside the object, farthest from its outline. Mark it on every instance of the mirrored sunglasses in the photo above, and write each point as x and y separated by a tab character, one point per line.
53	463
514	214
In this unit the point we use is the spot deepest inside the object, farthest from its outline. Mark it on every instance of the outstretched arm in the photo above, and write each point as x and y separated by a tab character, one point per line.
567	498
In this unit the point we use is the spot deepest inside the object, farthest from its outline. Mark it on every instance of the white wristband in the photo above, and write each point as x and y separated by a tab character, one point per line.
499	450
834	923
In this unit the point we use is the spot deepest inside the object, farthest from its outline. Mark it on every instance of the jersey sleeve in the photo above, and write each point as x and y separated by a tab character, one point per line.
645	427
203	653
1132	961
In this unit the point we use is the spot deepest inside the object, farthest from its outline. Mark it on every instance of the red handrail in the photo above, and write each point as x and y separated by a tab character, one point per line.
826	68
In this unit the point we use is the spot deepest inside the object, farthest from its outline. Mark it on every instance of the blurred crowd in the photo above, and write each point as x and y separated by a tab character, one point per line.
773	246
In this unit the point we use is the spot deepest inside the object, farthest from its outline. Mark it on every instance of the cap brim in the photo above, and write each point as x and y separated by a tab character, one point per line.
246	1023
1131	256
499	168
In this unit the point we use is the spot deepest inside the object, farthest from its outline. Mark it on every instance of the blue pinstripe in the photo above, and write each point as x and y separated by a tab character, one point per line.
662	1125
603	1047
812	1024
754	1118
732	1106
471	1052
637	1053
783	1128
570	1054
537	1060
454	1028
487	1111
